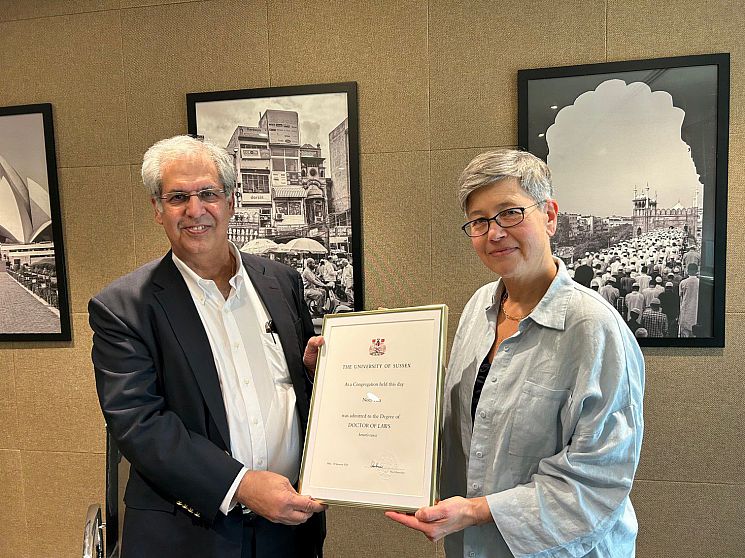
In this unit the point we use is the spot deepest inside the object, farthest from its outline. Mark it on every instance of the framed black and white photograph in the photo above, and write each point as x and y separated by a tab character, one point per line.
297	197
33	286
638	159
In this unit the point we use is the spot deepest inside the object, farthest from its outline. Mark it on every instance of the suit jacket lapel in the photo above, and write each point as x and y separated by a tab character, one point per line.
276	304
179	308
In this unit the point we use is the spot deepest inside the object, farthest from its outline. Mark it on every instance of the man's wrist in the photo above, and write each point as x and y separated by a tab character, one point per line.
479	511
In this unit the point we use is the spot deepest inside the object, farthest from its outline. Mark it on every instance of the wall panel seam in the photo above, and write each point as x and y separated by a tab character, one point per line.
128	139
17	423
57	452
71	14
402	152
60	167
26	534
157	4
605	35
268	45
467	147
429	152
693	482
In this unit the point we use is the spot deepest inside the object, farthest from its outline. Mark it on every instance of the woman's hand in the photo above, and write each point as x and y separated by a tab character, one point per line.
445	517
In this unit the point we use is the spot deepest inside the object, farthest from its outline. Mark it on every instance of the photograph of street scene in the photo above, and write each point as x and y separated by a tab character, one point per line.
632	159
29	288
294	194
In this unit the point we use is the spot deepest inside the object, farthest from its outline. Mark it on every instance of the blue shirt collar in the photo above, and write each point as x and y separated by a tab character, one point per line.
551	311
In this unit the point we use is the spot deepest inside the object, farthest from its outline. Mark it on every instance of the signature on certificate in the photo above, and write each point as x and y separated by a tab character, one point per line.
371	398
386	465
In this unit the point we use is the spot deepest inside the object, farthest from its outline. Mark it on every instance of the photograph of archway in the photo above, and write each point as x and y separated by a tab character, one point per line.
297	197
638	158
33	286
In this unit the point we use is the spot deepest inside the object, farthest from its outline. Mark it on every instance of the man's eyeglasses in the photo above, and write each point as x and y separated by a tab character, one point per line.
207	195
506	218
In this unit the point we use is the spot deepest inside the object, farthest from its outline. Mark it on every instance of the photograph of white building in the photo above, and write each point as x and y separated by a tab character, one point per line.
296	187
30	284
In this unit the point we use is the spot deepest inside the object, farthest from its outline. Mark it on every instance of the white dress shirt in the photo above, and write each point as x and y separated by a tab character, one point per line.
254	379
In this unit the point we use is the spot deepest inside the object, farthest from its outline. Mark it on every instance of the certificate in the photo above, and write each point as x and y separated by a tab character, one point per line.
373	430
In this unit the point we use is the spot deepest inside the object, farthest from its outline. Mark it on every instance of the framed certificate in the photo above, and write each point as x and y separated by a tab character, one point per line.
373	431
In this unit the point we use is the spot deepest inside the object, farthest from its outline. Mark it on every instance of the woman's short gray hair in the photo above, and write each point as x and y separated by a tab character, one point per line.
177	147
490	167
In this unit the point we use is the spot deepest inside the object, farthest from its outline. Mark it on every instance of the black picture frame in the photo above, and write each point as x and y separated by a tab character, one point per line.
296	151
620	117
32	254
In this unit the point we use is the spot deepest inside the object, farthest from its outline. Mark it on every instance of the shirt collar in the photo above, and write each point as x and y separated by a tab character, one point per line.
207	286
552	309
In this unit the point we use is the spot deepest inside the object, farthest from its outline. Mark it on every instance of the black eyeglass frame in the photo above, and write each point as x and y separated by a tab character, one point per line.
199	193
496	220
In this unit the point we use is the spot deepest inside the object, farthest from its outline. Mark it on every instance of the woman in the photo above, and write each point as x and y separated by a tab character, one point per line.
543	395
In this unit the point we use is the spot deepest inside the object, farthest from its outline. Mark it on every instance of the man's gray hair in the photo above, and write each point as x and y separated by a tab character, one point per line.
178	147
487	168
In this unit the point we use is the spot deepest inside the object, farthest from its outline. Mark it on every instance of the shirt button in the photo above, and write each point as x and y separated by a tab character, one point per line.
482	414
494	379
254	421
261	462
475	486
479	454
506	349
472	553
247	381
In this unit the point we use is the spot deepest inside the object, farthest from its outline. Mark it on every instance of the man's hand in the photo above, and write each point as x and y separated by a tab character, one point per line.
271	496
310	356
445	517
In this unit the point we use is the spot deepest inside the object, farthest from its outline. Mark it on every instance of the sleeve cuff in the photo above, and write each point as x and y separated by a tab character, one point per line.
229	502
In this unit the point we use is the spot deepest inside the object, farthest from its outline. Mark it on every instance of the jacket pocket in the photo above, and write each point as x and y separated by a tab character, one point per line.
536	426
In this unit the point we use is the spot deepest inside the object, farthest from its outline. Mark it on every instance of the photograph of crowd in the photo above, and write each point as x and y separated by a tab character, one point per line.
296	196
652	280
637	175
32	287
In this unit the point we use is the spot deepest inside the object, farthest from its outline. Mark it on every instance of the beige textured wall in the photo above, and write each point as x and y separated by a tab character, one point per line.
437	83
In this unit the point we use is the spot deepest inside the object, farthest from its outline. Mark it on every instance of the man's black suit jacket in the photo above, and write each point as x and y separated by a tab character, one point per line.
160	395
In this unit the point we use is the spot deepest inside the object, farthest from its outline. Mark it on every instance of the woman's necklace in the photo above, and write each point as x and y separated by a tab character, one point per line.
505	296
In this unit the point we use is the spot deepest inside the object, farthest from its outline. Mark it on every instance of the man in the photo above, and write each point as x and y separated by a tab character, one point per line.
670	304
347	280
689	301
635	299
653	291
633	321
609	291
676	278
626	281
599	275
584	273
200	373
327	271
643	279
691	257
654	320
314	287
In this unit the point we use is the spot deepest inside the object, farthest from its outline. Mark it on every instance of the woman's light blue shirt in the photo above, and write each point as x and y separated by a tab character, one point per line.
558	427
